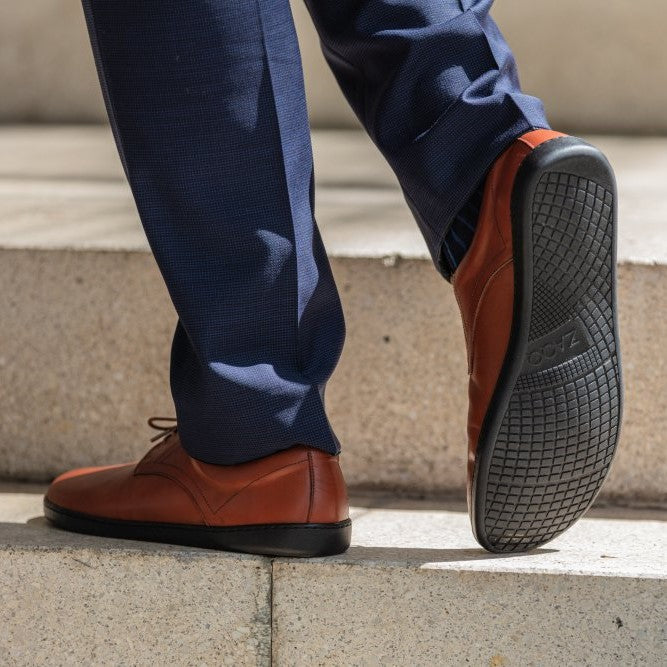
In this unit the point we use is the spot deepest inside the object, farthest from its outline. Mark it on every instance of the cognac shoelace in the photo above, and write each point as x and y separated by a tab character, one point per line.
166	425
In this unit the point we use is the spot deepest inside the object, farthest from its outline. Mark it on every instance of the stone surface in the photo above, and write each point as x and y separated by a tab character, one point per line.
63	187
85	354
77	600
567	51
399	397
85	336
421	593
414	589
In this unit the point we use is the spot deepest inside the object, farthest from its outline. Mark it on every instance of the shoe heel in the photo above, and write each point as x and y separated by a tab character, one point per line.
291	540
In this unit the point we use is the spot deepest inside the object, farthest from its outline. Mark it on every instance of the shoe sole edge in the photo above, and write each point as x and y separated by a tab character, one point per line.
305	540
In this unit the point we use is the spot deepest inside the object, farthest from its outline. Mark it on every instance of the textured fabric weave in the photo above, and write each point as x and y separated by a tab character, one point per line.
207	105
436	86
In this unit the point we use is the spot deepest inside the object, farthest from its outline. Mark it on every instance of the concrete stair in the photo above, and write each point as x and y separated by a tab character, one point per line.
86	321
414	589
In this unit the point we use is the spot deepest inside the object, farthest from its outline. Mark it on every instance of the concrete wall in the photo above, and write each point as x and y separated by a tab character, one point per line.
599	64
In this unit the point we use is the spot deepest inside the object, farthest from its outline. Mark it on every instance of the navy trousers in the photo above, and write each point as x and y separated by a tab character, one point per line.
207	105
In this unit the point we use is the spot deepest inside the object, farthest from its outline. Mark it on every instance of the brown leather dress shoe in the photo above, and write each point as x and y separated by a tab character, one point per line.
537	293
293	503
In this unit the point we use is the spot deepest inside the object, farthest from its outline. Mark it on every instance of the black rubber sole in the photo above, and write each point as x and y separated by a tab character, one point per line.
551	430
291	539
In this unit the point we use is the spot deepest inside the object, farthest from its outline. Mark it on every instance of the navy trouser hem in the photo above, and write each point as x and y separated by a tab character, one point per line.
215	438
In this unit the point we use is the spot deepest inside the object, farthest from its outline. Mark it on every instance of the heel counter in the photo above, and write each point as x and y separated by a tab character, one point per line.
281	496
328	492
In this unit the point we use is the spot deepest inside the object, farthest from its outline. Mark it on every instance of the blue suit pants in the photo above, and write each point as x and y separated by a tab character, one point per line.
207	105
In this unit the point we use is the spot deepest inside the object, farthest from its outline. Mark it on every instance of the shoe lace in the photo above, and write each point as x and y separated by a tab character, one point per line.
165	425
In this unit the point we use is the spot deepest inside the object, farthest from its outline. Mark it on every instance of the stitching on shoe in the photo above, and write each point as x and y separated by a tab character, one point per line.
197	486
257	479
180	484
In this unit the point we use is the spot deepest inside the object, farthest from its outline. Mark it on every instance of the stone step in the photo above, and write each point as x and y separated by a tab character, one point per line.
414	589
87	322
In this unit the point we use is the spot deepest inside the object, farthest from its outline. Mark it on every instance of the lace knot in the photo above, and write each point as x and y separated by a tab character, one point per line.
165	425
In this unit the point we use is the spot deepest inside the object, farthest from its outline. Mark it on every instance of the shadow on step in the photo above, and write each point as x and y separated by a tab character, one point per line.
408	556
37	533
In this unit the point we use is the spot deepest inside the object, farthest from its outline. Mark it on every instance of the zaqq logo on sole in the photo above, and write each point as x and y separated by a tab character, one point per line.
557	347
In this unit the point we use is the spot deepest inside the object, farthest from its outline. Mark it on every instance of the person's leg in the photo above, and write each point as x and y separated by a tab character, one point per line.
523	221
207	105
436	87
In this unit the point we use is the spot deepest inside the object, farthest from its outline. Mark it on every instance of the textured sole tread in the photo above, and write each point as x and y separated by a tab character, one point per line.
559	411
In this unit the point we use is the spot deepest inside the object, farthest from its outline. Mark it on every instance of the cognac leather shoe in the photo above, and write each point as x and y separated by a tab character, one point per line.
293	503
537	293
